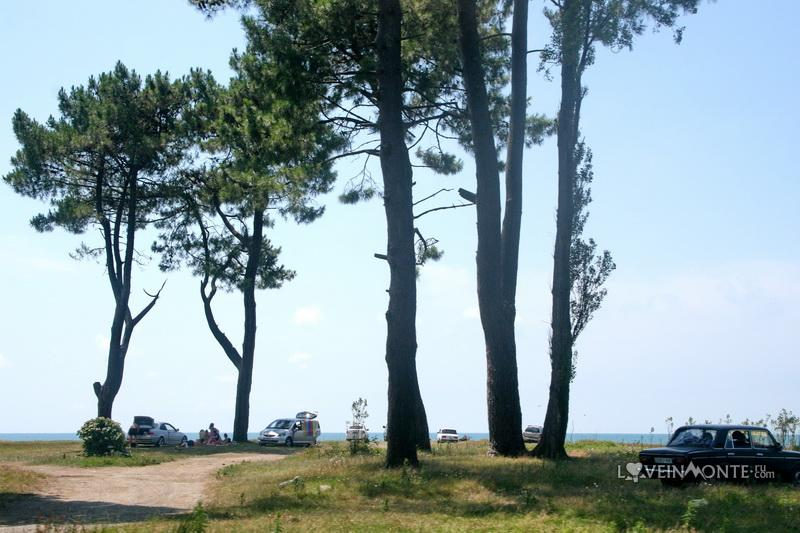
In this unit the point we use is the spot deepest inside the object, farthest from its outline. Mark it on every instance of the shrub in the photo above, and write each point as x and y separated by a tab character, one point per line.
196	522
102	436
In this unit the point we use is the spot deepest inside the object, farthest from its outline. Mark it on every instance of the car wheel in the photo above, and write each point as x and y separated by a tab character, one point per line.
160	442
289	442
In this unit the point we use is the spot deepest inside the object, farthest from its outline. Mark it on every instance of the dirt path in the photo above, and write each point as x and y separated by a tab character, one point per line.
118	494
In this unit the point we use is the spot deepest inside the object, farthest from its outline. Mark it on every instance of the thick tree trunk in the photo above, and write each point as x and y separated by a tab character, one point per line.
497	312
555	424
241	419
406	411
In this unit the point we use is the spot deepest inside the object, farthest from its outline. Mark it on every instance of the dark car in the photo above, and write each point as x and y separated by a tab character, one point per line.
704	452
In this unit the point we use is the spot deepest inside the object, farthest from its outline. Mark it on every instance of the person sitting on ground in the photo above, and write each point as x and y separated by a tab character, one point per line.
202	436
226	439
213	434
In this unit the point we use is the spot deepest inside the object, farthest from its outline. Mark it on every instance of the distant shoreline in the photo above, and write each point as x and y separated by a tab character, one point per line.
625	438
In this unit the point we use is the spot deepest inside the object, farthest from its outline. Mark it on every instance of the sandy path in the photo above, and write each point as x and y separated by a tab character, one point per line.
118	494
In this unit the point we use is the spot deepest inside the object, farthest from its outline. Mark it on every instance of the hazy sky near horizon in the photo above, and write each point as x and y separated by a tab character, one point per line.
696	193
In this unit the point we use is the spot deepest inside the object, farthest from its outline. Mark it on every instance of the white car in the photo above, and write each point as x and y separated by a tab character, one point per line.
356	432
532	434
447	435
146	431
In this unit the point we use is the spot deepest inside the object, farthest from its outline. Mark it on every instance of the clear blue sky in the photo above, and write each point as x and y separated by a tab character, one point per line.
696	194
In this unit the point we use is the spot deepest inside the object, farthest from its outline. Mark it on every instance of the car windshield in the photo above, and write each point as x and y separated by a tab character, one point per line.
693	438
532	429
280	424
449	431
355	426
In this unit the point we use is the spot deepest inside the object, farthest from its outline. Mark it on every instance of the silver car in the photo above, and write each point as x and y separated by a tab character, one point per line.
146	431
532	434
301	430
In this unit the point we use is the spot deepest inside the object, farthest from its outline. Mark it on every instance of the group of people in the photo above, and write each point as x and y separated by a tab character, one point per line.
211	436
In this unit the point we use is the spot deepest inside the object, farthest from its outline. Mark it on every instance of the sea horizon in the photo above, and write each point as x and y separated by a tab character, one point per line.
625	438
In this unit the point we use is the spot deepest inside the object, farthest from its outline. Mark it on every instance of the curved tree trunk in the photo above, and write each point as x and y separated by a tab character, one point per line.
496	303
406	413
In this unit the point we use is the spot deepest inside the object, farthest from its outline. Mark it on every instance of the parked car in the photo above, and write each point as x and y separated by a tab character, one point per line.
447	435
720	452
303	429
356	432
146	431
532	434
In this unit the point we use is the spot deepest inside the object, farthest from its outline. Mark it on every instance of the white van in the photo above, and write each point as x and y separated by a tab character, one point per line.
302	430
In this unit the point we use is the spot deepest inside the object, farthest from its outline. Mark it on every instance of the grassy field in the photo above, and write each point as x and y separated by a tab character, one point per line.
69	453
459	488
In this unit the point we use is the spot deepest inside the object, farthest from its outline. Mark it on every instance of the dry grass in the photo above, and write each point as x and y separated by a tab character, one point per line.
70	453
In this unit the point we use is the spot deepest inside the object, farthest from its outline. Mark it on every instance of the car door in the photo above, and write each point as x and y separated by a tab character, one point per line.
300	434
740	454
171	434
766	454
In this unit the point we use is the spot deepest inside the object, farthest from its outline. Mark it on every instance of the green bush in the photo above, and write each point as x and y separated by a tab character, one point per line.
102	436
196	522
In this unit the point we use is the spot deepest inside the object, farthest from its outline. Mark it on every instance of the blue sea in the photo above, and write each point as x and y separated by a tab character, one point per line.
643	438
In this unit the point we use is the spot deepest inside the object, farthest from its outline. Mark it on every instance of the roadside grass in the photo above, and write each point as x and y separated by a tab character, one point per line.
458	487
70	453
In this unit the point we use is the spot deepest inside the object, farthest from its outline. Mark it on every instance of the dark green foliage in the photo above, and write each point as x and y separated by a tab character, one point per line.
588	270
440	162
263	150
102	436
116	127
613	23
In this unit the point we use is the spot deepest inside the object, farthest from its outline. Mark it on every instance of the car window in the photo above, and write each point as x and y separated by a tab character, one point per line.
170	427
693	438
738	438
761	439
163	426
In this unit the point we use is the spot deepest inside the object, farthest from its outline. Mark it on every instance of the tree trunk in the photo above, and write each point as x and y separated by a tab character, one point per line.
497	317
122	324
406	411
107	392
423	433
241	419
512	218
555	424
